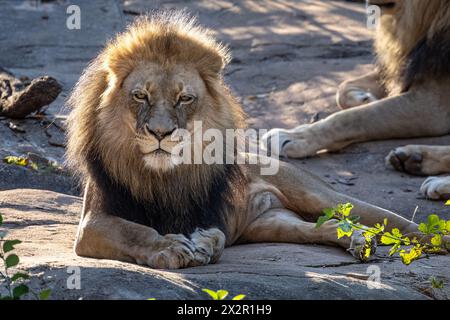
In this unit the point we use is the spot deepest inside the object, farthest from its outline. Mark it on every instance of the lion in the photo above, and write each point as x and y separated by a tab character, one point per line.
407	96
159	76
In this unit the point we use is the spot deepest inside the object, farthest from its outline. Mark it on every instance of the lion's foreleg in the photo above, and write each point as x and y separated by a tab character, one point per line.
108	237
281	225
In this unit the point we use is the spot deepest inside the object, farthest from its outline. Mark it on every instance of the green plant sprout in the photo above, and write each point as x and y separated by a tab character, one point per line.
217	295
27	162
221	294
408	249
437	284
14	284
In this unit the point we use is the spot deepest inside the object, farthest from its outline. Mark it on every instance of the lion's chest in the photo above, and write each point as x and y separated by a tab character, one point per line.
181	211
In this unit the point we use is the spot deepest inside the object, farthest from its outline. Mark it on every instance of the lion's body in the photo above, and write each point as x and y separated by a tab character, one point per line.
406	97
141	209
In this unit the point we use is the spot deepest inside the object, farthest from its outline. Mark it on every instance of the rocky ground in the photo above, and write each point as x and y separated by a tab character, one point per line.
288	59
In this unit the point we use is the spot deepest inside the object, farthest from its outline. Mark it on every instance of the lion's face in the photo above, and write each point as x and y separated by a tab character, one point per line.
153	102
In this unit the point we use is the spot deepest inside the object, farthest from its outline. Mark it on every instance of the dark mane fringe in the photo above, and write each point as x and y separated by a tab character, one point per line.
429	58
181	210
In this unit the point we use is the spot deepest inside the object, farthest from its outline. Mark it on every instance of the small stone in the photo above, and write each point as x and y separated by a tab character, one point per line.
16	128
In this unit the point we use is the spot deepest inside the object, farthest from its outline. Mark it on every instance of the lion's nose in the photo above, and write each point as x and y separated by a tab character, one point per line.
161	132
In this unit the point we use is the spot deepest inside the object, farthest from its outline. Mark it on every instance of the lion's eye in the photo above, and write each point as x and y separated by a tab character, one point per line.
186	99
139	95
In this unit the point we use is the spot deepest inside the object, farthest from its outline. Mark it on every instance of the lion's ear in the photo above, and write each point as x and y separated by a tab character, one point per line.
118	67
214	62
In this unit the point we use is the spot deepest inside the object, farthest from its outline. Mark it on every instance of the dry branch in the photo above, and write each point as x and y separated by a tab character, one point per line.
19	98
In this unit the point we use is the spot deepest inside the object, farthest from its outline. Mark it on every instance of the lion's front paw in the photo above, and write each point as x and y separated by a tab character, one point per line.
177	252
300	142
209	245
359	248
405	159
436	188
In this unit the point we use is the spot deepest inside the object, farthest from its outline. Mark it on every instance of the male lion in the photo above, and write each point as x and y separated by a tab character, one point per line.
161	75
407	96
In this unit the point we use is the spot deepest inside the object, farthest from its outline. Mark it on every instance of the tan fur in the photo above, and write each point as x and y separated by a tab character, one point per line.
282	207
384	104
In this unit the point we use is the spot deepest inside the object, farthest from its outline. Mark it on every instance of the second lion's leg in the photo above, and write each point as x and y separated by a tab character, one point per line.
402	116
359	91
421	159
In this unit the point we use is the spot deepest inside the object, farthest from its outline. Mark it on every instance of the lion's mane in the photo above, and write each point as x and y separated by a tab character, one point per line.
186	197
414	44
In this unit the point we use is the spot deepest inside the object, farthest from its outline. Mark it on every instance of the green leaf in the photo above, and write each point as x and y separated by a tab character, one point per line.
328	212
423	228
345	226
45	294
377	229
213	294
395	248
1	219
321	221
367	253
11	261
433	225
9	245
437	284
345	209
20	275
436	240
396	233
368	236
20	290
239	297
341	233
222	294
413	254
18	161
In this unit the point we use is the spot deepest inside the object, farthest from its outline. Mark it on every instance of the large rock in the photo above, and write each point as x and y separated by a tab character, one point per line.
47	222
